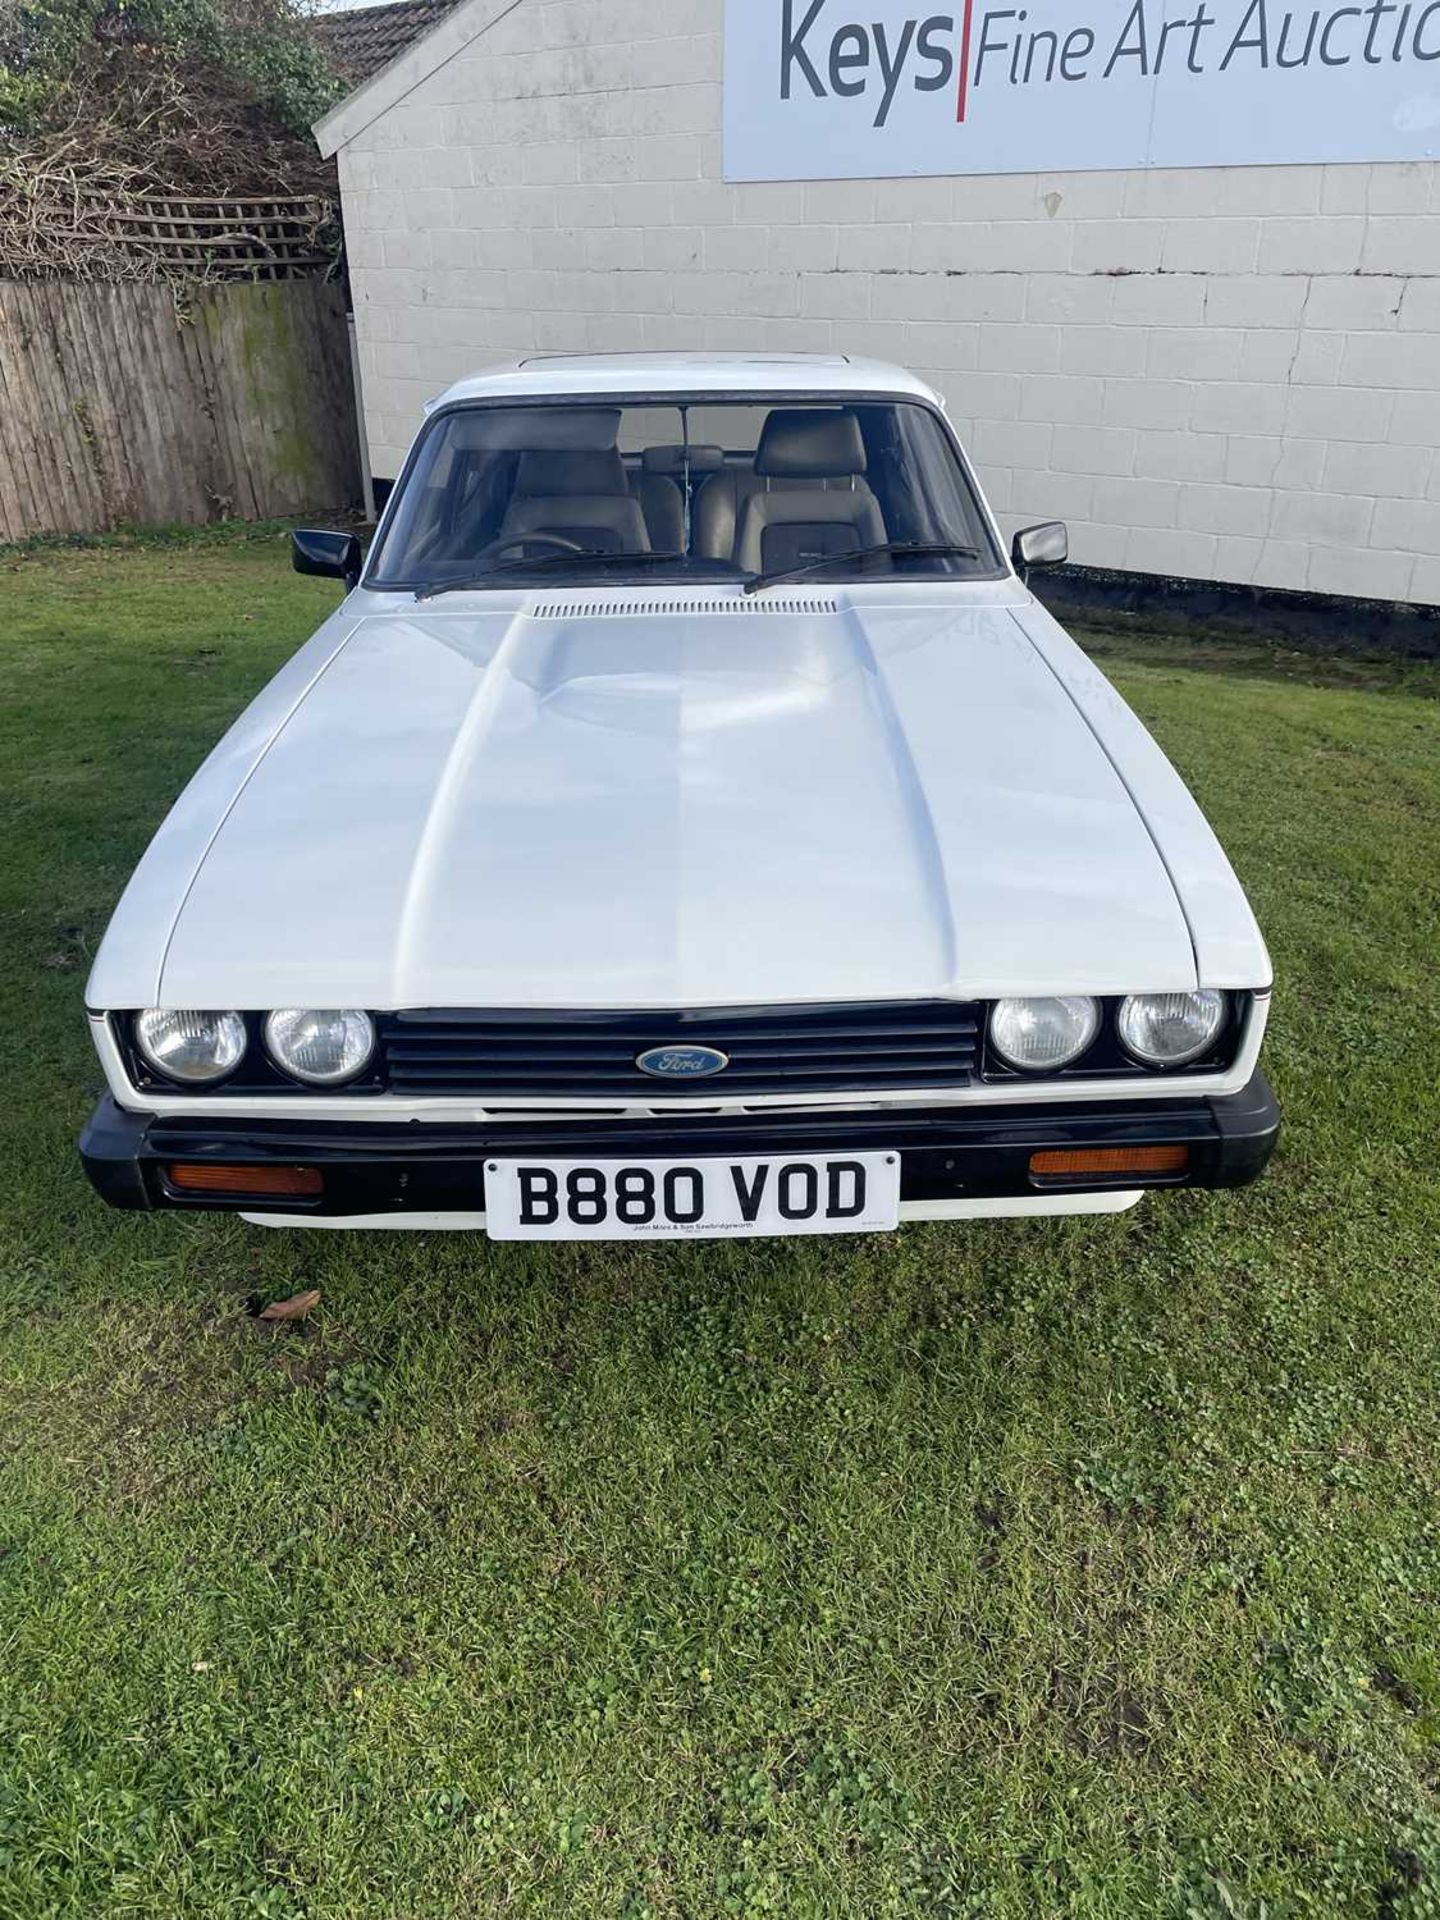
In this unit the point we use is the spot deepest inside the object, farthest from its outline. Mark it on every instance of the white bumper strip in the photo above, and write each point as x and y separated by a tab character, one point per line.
1019	1207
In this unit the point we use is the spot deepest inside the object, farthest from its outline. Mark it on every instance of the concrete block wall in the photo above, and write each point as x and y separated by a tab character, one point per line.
1229	374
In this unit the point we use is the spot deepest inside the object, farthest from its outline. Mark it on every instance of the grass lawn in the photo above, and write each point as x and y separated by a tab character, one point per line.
1009	1570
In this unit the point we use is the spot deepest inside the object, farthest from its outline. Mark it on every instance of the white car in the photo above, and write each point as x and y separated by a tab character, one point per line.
688	824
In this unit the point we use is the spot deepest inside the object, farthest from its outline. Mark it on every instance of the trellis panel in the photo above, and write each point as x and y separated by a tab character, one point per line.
64	229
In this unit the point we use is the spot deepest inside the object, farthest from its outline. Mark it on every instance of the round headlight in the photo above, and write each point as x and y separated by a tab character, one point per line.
1039	1034
1167	1029
188	1046
320	1046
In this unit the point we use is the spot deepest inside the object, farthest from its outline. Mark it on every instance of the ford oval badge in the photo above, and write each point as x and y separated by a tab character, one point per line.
682	1063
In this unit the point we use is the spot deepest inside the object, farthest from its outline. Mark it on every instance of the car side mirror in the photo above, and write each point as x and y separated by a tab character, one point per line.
334	556
1044	546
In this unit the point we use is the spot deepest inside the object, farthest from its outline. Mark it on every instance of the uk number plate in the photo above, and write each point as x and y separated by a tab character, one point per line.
691	1199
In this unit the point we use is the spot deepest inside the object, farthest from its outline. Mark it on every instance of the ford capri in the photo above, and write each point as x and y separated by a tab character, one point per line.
689	824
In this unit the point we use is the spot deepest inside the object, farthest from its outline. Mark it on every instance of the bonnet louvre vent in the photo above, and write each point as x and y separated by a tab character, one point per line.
809	603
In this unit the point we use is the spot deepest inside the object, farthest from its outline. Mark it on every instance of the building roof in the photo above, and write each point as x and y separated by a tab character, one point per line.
450	26
689	373
362	40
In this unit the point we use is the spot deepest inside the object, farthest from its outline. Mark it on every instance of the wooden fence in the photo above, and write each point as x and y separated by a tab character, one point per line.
154	404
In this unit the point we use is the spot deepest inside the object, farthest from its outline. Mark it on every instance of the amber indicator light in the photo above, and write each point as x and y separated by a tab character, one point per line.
1066	1163
295	1183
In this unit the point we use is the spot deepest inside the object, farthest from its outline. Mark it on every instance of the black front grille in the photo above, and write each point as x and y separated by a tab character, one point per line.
867	1048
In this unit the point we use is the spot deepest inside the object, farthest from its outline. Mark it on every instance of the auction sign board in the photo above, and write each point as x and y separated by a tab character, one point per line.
845	90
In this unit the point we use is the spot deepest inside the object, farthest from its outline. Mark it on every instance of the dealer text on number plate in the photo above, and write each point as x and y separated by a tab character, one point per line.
691	1199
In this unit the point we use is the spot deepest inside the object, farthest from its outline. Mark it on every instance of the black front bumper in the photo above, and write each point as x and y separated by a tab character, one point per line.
947	1153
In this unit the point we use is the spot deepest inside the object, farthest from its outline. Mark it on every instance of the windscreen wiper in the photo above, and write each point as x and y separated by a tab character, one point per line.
887	549
545	561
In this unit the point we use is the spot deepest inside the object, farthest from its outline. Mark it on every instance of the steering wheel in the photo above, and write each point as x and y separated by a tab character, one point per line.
557	541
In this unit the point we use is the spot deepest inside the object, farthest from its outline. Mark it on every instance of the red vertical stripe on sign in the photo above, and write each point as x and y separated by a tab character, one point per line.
964	62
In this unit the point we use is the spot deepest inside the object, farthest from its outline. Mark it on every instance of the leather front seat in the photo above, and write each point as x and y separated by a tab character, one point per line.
580	494
805	498
789	528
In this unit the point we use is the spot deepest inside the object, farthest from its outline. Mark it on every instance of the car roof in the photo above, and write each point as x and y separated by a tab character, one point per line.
694	373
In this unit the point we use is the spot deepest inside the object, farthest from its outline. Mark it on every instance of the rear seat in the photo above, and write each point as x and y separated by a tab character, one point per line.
658	487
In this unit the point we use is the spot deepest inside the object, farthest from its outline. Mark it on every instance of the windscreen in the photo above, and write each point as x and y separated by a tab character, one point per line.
500	494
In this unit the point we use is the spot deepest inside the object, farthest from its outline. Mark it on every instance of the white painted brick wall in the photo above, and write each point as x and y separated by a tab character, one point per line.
1229	374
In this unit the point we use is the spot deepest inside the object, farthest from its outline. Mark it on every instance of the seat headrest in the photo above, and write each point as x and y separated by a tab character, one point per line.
808	443
671	460
546	476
